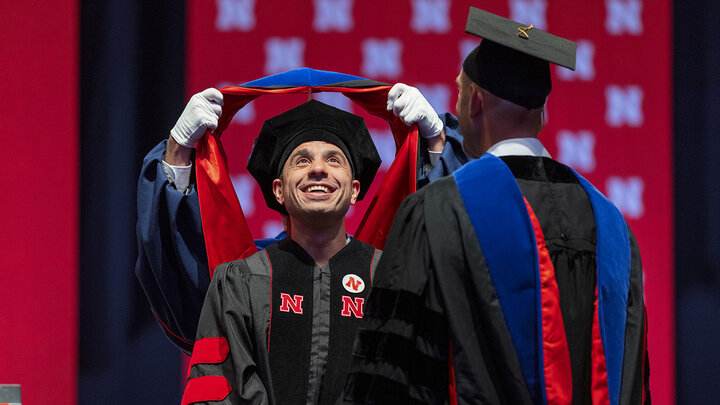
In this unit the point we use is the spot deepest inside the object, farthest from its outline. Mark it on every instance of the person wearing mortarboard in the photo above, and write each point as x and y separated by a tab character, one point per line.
513	281
277	327
172	265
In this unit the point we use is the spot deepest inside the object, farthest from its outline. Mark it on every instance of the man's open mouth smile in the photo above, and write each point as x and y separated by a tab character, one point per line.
318	189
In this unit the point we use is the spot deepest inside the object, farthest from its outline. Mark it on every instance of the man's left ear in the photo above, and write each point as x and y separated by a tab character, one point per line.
355	191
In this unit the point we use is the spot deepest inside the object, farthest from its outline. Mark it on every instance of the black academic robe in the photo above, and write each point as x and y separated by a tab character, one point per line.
278	329
172	263
435	330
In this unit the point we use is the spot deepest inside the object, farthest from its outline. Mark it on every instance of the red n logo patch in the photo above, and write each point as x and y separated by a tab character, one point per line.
293	303
354	283
354	306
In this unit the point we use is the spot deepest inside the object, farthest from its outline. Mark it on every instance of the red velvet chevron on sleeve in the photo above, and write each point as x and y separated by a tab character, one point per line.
210	350
206	388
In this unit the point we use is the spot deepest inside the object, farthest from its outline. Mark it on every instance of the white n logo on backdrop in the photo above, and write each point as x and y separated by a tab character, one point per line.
624	16
333	15
430	16
282	54
584	63
235	15
529	12
577	149
381	57
624	106
627	195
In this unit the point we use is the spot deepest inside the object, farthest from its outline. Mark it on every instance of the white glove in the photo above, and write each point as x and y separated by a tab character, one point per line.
201	113
410	106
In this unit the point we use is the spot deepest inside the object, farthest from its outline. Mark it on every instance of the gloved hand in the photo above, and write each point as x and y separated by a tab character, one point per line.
201	112
411	107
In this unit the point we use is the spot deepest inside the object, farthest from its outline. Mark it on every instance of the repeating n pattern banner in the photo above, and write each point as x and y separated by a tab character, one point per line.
609	119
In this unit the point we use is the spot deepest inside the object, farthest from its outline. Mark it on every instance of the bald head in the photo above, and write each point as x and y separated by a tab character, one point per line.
486	119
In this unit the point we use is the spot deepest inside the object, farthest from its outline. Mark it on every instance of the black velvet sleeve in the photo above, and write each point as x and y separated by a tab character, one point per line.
400	355
228	313
635	390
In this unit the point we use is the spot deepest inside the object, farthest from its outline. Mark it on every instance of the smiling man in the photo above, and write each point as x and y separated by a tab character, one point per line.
278	327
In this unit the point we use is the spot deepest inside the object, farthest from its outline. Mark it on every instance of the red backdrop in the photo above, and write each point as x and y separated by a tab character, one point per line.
39	201
610	119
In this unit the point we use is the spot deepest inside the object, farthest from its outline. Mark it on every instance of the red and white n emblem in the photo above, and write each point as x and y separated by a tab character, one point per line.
352	306
293	303
353	283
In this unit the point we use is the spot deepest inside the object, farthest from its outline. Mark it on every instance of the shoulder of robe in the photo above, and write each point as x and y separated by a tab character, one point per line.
441	196
429	204
257	264
448	226
370	249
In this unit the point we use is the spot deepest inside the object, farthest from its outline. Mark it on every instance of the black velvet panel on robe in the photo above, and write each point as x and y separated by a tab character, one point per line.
433	289
290	324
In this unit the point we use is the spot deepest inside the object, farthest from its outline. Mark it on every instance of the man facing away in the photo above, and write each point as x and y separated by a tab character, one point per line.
513	281
278	326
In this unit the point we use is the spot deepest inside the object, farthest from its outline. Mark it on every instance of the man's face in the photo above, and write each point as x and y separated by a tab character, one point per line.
316	181
464	110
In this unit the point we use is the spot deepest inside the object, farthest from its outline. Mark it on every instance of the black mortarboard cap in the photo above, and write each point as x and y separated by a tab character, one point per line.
511	62
311	121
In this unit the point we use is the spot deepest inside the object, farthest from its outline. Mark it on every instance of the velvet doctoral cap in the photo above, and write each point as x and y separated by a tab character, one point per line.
311	121
511	62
